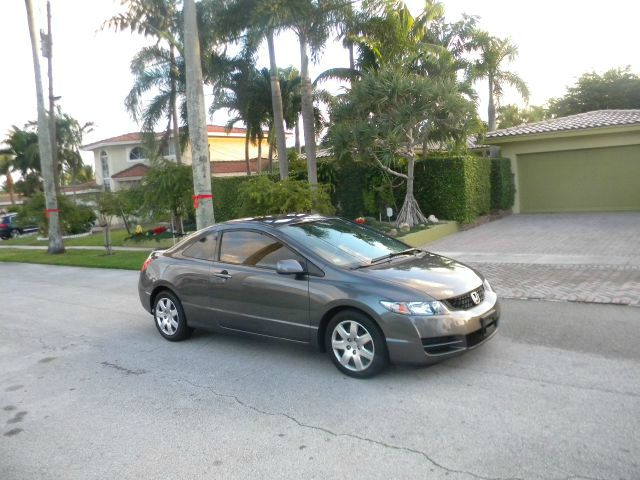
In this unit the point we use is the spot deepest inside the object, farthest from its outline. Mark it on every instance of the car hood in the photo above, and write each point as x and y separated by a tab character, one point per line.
437	276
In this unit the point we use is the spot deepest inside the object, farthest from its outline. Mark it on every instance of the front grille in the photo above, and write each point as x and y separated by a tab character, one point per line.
464	302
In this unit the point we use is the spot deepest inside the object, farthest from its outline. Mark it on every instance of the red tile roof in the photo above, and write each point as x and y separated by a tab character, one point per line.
137	136
235	166
137	170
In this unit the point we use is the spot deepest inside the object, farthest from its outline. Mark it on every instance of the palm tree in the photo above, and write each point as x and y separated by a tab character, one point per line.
494	53
250	22
312	21
6	166
158	19
44	142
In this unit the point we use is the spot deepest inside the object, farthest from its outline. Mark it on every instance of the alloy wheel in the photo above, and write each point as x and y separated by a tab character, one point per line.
167	316
352	345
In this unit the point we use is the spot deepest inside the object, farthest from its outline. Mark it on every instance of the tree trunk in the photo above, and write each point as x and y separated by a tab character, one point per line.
10	188
107	237
308	122
492	107
278	116
297	135
44	143
246	152
174	107
410	212
52	108
259	159
352	63
271	158
197	120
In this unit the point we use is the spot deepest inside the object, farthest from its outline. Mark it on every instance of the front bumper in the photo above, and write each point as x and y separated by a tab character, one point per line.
436	338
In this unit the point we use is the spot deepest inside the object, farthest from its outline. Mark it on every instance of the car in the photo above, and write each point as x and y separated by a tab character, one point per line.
10	227
366	298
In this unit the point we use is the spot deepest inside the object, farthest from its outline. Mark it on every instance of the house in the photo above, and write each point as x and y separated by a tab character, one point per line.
120	161
584	162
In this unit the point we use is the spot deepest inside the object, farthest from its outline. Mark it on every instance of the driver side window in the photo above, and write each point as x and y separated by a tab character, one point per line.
243	247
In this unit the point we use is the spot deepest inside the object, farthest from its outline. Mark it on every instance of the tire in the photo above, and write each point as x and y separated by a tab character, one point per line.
352	331
169	317
16	233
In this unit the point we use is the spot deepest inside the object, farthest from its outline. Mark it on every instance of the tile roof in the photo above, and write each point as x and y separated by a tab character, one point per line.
135	171
581	121
133	137
80	187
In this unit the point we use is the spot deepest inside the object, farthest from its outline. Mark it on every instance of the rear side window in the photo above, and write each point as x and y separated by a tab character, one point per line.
204	248
255	249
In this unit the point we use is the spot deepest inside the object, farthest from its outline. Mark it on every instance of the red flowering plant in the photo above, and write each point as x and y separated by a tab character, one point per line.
359	220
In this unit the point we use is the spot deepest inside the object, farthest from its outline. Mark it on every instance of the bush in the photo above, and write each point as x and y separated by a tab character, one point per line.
226	199
455	188
502	188
74	218
261	196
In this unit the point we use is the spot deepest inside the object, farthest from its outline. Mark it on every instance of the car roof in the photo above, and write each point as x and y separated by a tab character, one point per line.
278	220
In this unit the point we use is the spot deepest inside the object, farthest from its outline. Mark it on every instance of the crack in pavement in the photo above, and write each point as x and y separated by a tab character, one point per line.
380	443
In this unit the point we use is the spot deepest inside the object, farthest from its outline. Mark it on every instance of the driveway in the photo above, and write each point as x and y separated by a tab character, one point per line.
589	257
89	390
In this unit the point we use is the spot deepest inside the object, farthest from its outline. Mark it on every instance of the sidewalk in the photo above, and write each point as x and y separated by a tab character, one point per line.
98	247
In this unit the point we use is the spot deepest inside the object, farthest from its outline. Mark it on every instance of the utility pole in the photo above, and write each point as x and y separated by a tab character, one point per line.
202	197
44	145
47	52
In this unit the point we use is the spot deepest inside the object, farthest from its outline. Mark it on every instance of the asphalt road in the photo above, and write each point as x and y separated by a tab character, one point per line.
89	390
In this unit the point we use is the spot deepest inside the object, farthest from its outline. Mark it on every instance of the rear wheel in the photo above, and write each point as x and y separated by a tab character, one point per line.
170	318
356	345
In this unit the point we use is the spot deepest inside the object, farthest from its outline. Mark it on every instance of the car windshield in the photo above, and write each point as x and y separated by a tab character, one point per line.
343	243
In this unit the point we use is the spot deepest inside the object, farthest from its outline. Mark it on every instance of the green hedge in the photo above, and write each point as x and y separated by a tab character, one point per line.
226	200
452	188
502	187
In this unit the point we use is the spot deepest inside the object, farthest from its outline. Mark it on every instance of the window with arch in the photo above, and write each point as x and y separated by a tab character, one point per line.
136	154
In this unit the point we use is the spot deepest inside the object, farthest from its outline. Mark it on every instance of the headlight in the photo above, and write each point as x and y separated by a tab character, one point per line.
416	308
485	282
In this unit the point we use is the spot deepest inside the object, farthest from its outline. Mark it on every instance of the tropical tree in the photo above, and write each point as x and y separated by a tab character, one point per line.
389	116
203	200
156	67
617	88
246	93
44	143
6	167
250	22
494	53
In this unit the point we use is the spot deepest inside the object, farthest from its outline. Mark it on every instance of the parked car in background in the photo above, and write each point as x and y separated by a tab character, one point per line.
10	226
365	298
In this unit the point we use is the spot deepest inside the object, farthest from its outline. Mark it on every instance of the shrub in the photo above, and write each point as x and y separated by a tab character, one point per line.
502	187
74	218
456	188
226	199
261	196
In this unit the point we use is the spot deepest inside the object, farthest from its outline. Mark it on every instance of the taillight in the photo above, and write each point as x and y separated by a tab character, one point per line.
146	263
4	225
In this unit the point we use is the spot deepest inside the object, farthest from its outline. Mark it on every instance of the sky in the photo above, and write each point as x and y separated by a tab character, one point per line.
558	41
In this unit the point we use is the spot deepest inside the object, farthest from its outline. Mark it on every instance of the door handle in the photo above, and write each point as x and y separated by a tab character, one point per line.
223	274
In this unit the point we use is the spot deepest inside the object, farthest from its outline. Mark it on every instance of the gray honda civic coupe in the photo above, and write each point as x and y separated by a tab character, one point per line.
365	298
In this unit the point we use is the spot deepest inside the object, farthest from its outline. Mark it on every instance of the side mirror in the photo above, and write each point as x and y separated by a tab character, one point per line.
289	267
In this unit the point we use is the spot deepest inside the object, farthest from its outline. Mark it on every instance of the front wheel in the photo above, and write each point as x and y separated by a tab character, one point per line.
170	318
15	234
356	345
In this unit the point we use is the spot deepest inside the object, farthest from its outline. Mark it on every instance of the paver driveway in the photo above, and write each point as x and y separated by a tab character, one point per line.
590	257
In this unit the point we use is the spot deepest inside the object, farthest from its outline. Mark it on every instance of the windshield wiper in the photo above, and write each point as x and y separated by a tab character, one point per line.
388	256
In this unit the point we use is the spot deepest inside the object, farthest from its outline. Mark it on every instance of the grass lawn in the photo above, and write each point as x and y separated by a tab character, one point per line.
77	258
95	240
